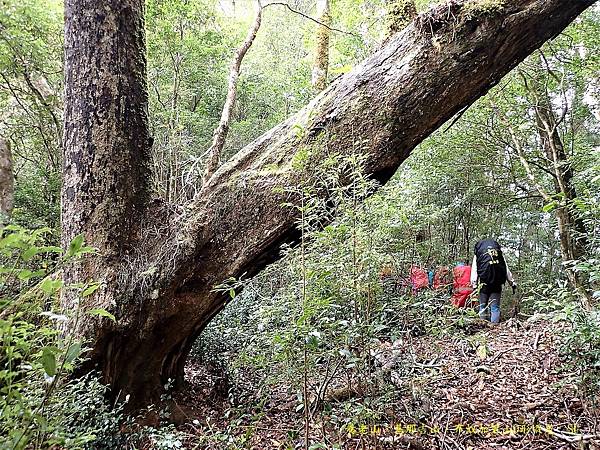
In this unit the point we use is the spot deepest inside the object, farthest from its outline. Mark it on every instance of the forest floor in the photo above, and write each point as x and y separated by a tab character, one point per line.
489	387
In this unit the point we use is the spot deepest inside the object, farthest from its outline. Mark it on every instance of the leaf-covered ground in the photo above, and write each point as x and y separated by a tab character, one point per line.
504	387
488	387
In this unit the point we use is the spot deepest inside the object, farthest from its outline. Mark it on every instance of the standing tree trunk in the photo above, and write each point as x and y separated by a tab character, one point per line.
321	64
158	270
7	181
106	145
572	231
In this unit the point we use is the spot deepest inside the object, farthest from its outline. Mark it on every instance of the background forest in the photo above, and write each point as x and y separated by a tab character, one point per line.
329	337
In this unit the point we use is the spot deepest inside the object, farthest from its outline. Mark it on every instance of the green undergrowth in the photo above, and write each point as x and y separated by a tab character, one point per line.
42	405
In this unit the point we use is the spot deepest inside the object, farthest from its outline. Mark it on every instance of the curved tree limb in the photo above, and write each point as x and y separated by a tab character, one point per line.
220	134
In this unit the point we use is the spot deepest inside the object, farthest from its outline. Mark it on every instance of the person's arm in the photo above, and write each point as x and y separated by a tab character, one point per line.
474	272
509	275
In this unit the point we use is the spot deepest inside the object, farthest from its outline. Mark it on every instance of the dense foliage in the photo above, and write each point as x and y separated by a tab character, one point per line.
40	406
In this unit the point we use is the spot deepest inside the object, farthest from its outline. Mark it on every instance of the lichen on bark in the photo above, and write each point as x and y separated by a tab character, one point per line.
477	8
321	63
399	14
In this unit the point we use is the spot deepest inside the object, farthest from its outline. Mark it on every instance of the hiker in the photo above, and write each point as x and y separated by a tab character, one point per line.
490	271
461	284
386	272
387	276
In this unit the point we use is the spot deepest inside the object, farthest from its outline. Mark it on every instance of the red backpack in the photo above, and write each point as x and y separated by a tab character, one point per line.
418	278
462	285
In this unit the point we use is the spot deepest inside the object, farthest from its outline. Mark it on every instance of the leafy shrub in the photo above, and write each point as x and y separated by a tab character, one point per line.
581	348
40	407
580	341
37	200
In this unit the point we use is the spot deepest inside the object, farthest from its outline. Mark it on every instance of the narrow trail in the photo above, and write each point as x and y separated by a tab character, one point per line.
489	387
502	387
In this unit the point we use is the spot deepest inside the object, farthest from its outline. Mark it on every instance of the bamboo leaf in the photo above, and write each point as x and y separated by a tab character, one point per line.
49	361
101	313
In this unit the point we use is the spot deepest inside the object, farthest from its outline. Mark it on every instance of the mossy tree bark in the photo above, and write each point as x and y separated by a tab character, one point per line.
321	62
399	14
158	267
106	170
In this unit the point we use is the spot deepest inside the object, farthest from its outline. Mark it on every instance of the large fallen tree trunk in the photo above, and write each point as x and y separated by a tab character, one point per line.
159	267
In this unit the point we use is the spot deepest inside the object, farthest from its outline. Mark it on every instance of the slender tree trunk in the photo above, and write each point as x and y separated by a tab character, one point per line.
172	141
220	134
571	228
563	176
7	182
45	95
158	270
321	63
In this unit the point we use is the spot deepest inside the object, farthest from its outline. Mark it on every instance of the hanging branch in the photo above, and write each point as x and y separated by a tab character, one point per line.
220	133
318	22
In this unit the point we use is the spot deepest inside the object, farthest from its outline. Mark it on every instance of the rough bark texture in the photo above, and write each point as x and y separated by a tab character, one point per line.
106	138
399	14
7	181
321	64
164	296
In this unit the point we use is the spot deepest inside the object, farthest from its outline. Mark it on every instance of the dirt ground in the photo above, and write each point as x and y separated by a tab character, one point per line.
491	387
